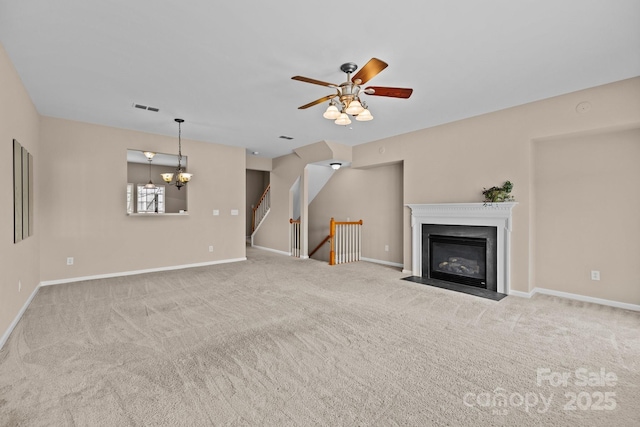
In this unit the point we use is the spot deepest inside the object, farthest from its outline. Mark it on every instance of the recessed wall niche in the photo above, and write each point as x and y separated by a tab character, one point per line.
22	193
162	198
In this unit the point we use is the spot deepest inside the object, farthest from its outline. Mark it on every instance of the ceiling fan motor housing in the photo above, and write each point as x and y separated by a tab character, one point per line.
348	67
348	92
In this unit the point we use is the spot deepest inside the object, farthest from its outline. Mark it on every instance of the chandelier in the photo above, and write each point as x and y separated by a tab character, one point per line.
179	178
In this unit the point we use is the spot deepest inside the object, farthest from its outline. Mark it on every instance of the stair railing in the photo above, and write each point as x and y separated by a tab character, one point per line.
294	236
261	209
346	241
326	239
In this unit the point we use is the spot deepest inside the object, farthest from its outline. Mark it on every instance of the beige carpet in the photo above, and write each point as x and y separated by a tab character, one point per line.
277	341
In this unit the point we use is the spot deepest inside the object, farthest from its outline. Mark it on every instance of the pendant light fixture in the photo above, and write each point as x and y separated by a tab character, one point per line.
181	177
149	155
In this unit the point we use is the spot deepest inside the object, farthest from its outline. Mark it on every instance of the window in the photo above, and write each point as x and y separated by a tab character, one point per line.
149	199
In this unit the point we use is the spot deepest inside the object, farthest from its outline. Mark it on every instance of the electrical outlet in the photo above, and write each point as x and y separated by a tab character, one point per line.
595	275
234	212
19	285
210	248
386	248
70	260
216	212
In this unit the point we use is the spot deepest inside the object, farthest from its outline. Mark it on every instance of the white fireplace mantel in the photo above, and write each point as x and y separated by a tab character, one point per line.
491	215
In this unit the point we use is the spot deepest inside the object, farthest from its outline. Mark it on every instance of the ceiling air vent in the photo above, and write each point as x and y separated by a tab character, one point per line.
285	137
145	107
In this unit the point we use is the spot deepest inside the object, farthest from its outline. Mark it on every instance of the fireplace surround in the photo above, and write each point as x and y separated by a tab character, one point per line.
496	215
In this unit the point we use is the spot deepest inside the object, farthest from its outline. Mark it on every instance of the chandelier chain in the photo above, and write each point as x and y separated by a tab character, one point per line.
179	145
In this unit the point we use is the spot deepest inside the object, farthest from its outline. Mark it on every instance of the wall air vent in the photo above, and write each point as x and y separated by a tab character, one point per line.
145	107
285	137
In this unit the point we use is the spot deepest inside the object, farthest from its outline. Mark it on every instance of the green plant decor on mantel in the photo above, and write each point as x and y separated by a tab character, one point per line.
498	194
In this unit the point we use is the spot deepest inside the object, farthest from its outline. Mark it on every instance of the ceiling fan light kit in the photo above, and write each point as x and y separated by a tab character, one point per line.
346	101
332	112
343	120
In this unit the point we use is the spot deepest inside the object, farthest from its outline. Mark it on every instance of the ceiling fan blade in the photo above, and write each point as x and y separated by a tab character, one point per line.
317	101
313	81
394	92
370	70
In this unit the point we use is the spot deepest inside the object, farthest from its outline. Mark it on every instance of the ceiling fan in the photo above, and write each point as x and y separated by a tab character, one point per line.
346	101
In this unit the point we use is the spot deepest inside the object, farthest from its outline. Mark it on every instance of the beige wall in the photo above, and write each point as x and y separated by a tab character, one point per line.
84	213
587	214
259	163
18	262
453	162
274	232
373	195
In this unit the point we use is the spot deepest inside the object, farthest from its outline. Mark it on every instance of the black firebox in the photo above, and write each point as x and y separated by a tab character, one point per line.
460	254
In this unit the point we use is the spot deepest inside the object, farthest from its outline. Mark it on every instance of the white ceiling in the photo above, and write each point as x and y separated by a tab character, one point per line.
226	67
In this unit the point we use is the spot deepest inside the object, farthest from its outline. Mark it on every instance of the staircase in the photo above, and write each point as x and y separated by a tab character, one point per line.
345	238
260	211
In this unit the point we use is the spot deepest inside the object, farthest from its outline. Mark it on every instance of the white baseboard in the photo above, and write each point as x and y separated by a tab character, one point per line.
131	273
405	271
611	303
272	250
13	324
577	297
379	261
520	294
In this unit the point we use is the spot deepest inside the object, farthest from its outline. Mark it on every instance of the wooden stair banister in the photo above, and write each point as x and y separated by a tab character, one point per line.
332	234
326	239
294	243
257	206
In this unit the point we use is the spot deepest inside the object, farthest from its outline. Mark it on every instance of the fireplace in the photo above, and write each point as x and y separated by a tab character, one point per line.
473	216
460	254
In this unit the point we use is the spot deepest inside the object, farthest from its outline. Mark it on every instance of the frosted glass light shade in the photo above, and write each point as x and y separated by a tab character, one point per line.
149	154
332	113
365	116
354	108
185	177
167	177
343	120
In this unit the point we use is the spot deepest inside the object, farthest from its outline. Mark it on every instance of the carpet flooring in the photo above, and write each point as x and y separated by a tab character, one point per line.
278	341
